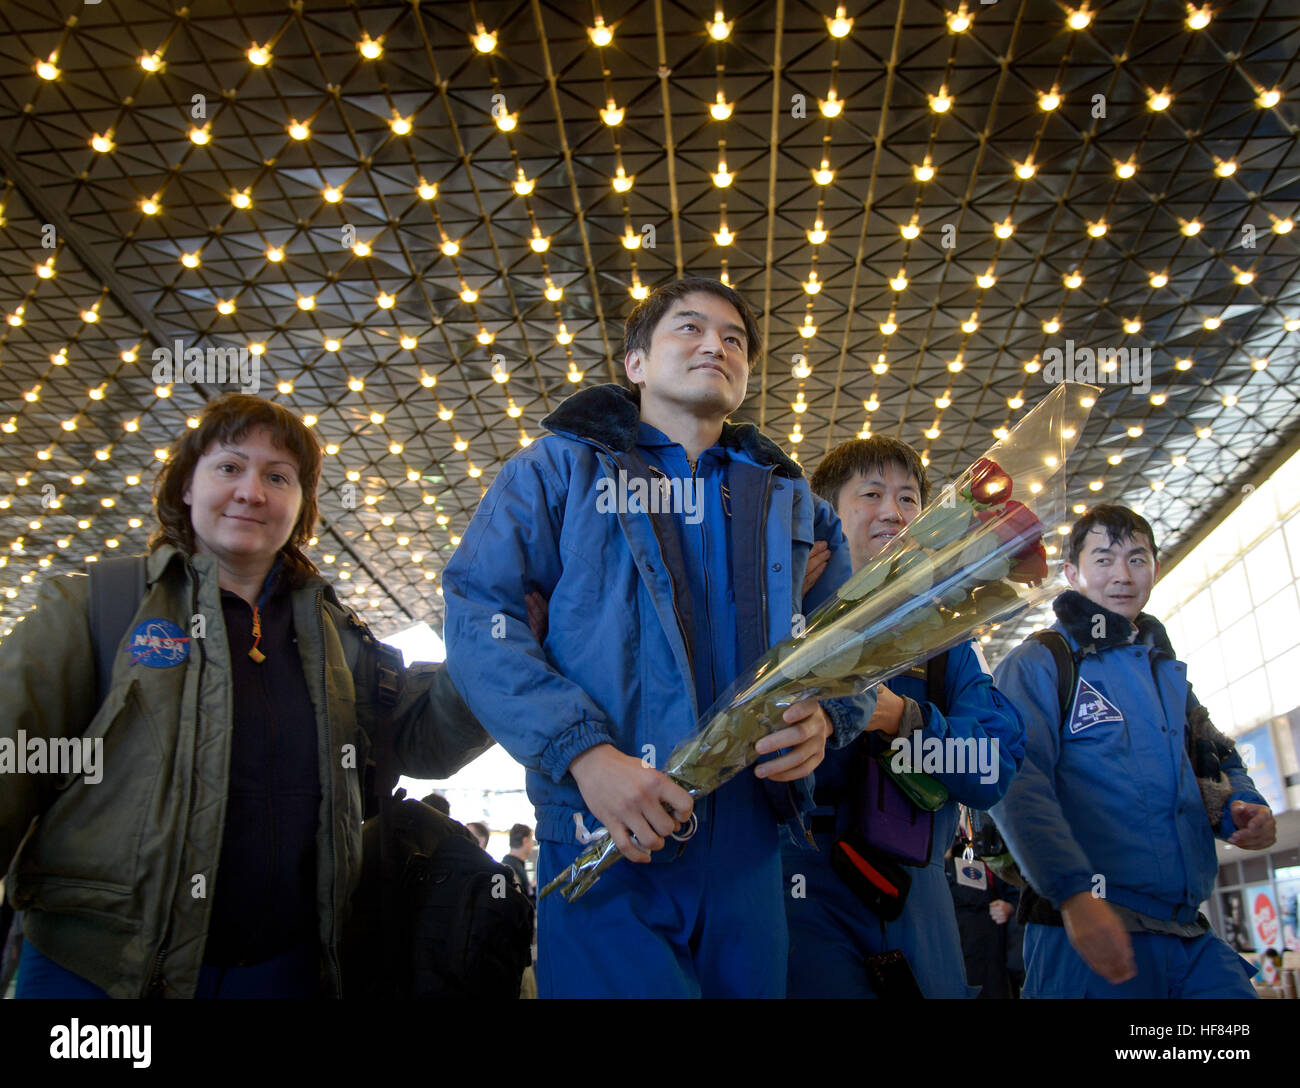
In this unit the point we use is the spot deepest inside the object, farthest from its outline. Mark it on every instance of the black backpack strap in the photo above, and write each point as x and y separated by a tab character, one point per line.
936	673
1067	671
117	586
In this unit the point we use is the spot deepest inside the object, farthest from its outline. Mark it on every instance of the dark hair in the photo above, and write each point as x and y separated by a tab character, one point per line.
517	835
1118	521
228	419
643	321
861	456
480	831
438	801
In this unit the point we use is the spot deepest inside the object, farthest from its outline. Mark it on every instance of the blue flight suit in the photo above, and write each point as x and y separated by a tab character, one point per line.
832	933
1107	802
650	619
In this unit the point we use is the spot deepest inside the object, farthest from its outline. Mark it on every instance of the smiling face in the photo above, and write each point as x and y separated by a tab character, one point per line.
244	498
1118	575
697	363
874	507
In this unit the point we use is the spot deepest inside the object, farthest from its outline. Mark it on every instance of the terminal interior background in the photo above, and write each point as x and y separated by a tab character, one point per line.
424	225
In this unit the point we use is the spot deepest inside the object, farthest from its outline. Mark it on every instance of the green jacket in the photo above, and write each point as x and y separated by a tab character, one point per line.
109	872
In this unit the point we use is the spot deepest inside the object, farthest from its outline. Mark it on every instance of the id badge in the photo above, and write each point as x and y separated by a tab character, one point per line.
971	874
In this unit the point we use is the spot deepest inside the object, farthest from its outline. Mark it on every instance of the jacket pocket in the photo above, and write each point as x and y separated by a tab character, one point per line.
107	902
90	834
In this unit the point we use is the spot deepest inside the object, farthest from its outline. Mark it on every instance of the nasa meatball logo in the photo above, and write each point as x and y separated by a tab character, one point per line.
1091	708
158	644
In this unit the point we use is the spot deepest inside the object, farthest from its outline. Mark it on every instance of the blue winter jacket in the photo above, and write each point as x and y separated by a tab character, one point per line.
615	666
1111	793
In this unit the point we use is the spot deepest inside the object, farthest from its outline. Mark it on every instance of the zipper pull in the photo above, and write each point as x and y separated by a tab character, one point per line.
726	500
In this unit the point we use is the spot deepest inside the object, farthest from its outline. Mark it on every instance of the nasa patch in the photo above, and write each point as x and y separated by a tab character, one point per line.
970	873
1091	708
158	644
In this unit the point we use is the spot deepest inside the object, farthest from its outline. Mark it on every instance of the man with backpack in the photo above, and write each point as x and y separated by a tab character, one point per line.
1124	785
671	546
844	941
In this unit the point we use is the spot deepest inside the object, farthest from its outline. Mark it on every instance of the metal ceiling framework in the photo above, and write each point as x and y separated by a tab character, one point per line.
424	295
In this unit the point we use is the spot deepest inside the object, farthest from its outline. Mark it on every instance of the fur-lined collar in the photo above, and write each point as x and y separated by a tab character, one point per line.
1078	616
609	414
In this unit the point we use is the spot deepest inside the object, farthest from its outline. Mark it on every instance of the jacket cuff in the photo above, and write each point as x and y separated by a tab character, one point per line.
1071	884
913	718
570	744
1227	825
848	717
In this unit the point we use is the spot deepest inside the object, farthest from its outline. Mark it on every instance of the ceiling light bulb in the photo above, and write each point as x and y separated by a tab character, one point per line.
483	41
631	241
225	306
959	21
1245	278
612	115
275	254
1132	326
331	345
506	122
370	49
1283	226
719	28
986	280
600	34
384	301
899	282
723	237
200	136
102	144
553	293
485	338
1049	101
970	325
824	175
808	330
298	131
621	182
1198	18
1026	170
1073	280
720	109
639	291
1212	323
89	316
723	177
306	302
362	249
1159	279
1004	229
331	195
468	294
1125	169
47	69
259	55
840	25
400	126
940	103
925	171
1097	230
1160	101
1183	364
812	285
1259	364
831	106
1292	324
426	191
190	260
151	62
1191	228
909	231
1051	326
538	244
563	336
1268	99
1226	168
450	248
241	200
1015	402
818	234
889	327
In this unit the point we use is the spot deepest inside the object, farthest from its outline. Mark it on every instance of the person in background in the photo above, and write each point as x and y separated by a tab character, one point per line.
480	832
991	937
217	852
877	486
522	845
1110	820
437	801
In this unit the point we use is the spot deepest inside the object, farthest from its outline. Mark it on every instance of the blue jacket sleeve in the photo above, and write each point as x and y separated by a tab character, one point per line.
977	711
511	548
1029	814
849	715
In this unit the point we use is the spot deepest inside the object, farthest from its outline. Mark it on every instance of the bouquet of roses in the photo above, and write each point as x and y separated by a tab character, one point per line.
971	560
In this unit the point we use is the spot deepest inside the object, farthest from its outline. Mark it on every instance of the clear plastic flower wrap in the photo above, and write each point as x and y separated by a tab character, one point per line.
973	559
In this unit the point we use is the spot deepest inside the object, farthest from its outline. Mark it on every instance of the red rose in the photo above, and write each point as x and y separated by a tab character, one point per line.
1031	565
1014	521
989	484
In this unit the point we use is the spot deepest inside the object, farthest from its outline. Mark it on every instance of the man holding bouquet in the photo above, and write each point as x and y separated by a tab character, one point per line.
671	546
1124	786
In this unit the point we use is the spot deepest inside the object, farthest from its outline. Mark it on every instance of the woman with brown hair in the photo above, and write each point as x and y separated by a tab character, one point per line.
214	850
